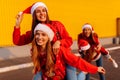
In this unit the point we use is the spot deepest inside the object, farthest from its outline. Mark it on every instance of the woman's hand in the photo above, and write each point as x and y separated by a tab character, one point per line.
101	70
19	18
56	47
98	47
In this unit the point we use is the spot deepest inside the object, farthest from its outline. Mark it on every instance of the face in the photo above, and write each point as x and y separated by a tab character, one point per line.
41	13
87	32
41	38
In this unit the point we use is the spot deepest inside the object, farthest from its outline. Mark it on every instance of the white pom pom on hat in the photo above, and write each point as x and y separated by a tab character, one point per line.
45	28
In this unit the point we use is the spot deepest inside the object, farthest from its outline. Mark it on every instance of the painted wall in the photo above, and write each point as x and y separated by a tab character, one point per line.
73	14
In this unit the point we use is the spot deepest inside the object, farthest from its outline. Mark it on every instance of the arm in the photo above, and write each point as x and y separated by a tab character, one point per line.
65	39
79	37
19	39
97	42
77	62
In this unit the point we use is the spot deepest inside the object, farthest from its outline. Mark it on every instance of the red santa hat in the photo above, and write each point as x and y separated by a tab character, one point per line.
83	45
45	28
87	25
31	9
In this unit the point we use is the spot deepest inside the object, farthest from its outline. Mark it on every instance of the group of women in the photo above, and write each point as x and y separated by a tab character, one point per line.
51	53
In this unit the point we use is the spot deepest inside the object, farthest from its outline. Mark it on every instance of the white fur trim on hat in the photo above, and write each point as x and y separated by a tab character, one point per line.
37	5
86	47
87	26
45	29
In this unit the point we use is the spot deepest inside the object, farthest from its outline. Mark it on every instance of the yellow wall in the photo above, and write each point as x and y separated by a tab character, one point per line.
73	14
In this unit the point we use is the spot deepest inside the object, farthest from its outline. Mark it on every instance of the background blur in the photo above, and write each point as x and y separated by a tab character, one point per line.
102	14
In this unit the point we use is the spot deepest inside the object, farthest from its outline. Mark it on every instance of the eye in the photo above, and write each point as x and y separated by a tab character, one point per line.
37	33
43	34
44	10
37	11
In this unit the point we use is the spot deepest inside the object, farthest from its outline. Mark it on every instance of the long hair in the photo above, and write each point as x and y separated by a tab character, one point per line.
49	67
90	54
35	21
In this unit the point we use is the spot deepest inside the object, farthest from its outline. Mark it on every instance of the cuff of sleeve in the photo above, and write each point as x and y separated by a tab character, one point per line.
108	56
16	28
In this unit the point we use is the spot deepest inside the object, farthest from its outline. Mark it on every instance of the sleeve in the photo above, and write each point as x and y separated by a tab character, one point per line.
78	40
65	40
77	62
95	38
19	39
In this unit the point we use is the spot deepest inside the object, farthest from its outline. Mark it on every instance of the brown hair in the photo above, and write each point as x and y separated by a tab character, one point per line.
36	57
35	21
90	54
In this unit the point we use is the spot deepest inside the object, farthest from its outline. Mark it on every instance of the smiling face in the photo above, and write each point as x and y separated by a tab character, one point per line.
41	13
87	32
41	38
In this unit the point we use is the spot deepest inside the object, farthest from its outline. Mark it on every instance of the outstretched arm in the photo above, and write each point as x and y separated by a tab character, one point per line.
79	63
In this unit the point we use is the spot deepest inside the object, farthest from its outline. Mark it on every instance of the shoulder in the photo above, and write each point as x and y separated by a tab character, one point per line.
95	34
63	49
80	35
56	23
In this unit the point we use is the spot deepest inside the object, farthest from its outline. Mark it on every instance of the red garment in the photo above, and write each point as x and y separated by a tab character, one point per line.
58	28
93	41
66	57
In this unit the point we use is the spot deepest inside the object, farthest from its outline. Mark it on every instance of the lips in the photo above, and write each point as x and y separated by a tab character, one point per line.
42	17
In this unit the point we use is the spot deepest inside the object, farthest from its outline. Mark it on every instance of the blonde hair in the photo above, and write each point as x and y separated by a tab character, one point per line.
36	57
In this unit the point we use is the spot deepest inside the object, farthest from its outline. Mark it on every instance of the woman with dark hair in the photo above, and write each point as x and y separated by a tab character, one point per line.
53	66
39	13
92	39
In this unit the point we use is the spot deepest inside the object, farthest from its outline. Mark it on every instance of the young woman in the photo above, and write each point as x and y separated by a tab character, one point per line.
53	65
39	12
91	37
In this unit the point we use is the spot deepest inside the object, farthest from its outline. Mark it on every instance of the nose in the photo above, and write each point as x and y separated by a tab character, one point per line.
41	12
38	37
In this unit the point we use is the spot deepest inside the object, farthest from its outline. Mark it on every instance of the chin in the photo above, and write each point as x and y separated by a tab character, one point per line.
39	44
42	20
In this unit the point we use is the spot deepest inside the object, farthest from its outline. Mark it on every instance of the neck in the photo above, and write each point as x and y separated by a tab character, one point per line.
42	48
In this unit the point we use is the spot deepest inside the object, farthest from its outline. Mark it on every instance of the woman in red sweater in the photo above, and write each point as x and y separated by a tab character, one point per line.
39	12
91	37
53	65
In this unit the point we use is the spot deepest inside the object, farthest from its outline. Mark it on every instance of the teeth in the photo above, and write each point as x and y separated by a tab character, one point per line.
42	17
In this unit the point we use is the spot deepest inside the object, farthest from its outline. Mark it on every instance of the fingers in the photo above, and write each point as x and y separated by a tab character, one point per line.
101	70
19	17
56	47
55	50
